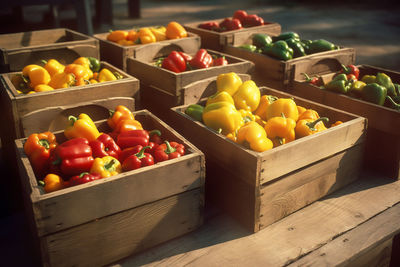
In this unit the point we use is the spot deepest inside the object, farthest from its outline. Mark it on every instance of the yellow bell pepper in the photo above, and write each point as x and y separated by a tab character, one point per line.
125	42
301	109
265	101
307	127
114	36
37	75
222	117
247	115
254	136
285	106
146	36
52	182
43	88
62	80
220	97
159	33
308	114
174	30
106	166
228	82
280	130
105	75
247	96
83	61
79	71
83	126
53	66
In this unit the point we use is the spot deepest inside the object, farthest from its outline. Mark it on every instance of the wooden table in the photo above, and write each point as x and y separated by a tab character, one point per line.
355	226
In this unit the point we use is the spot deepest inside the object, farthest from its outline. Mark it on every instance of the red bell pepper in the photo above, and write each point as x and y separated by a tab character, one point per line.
201	60
317	81
138	160
168	150
350	69
230	24
253	20
103	146
211	26
74	156
83	178
240	15
155	137
221	61
174	62
185	56
133	138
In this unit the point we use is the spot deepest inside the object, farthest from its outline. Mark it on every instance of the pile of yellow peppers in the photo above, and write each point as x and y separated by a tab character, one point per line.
54	75
238	111
147	35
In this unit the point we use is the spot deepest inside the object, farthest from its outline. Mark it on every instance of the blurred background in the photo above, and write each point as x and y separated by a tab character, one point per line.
371	27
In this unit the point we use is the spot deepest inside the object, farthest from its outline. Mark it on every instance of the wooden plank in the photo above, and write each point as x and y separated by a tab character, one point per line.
365	242
301	188
222	242
111	238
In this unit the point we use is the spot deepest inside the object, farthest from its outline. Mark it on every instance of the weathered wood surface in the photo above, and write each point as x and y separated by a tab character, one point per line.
365	211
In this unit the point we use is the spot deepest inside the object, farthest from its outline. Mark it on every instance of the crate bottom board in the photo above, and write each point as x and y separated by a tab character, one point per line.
383	153
117	236
256	208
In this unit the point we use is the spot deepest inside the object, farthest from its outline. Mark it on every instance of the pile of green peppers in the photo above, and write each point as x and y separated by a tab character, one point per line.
287	45
378	89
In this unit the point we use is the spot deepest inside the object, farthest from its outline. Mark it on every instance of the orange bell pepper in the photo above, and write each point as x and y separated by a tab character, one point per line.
307	127
38	147
53	182
174	30
115	36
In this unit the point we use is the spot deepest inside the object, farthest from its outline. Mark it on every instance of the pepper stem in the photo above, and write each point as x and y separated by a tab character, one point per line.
393	103
72	119
109	164
83	174
345	69
45	143
312	124
140	154
154	132
306	76
169	149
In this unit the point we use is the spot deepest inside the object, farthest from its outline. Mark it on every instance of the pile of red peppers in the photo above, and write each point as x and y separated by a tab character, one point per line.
178	61
79	161
239	20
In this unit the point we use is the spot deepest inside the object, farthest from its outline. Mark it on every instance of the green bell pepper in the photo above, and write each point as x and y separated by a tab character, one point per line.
339	84
356	88
374	93
286	35
279	50
386	81
94	64
295	44
195	111
261	39
248	47
320	45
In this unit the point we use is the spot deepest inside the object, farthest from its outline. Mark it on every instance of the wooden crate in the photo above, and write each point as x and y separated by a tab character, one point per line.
149	74
258	189
20	49
97	223
279	74
383	135
217	40
117	54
